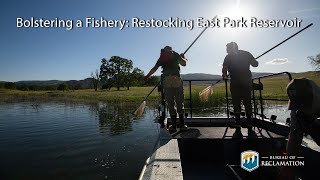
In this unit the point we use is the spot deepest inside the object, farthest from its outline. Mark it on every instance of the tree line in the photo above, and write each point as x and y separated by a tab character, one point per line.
117	72
35	87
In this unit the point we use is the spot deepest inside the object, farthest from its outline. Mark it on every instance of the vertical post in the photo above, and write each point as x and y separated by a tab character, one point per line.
163	103
261	101
227	98
190	95
254	101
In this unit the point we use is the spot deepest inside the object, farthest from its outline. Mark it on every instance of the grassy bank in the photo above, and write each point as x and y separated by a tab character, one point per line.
132	95
274	87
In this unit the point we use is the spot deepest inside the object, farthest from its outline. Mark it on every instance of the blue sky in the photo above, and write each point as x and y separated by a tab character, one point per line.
61	54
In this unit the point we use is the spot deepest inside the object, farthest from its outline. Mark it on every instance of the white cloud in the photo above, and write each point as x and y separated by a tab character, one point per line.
220	64
304	10
278	61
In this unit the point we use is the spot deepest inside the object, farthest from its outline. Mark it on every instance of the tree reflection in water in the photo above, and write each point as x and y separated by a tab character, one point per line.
114	118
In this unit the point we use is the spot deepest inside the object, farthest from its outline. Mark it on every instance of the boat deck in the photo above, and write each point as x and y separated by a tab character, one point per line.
210	149
223	133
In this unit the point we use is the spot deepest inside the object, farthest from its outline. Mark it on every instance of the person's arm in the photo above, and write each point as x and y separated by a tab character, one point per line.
253	61
224	69
182	60
153	70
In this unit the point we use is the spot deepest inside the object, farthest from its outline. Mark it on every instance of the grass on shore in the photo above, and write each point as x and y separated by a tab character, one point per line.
274	87
134	94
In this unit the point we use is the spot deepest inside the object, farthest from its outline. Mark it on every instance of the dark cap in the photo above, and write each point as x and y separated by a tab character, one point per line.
167	48
232	45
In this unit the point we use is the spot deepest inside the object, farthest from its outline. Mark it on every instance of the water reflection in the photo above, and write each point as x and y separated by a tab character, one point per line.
54	140
117	119
269	108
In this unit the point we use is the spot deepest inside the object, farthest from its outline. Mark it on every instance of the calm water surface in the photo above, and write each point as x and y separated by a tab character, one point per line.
80	141
74	141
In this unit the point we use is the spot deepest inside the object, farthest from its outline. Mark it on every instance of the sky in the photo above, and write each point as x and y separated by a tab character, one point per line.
56	53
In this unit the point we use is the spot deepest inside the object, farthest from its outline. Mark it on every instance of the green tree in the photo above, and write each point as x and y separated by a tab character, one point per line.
23	87
62	87
120	68
10	85
95	79
153	81
315	61
50	88
105	76
137	77
105	73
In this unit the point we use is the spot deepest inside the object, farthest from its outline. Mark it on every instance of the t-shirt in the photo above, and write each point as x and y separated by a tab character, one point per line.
169	61
304	95
238	65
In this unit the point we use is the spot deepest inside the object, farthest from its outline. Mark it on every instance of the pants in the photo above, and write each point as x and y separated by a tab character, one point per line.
295	135
173	92
241	92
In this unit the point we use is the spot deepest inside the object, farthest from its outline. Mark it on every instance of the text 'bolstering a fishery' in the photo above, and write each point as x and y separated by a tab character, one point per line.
170	22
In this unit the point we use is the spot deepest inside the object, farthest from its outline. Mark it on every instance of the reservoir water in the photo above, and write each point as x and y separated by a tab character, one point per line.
54	140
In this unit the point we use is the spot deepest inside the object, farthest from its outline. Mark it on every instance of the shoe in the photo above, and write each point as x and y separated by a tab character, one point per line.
172	129
251	133
181	123
236	124
184	127
237	133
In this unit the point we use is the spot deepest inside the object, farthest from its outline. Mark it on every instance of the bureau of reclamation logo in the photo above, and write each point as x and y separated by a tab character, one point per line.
249	160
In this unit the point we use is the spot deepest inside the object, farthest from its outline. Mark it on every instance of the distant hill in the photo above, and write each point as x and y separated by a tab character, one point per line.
87	83
41	83
202	76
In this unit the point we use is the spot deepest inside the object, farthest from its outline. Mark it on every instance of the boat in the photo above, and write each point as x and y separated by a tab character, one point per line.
210	148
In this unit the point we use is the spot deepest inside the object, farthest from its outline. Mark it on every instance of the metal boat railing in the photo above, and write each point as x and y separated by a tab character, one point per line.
256	87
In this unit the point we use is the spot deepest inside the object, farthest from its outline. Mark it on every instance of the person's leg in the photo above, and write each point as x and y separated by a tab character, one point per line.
246	94
180	105
247	101
295	135
169	97
236	101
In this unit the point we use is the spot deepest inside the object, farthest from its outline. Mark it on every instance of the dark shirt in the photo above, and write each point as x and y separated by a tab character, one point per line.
170	66
238	65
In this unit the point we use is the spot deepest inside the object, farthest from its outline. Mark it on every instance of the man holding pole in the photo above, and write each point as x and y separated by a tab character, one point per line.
237	63
170	62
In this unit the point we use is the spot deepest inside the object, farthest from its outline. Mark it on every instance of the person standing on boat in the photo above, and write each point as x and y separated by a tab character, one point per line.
170	62
237	63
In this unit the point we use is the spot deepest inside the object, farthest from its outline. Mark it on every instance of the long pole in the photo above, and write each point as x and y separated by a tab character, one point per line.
198	37
209	87
140	110
153	89
285	40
